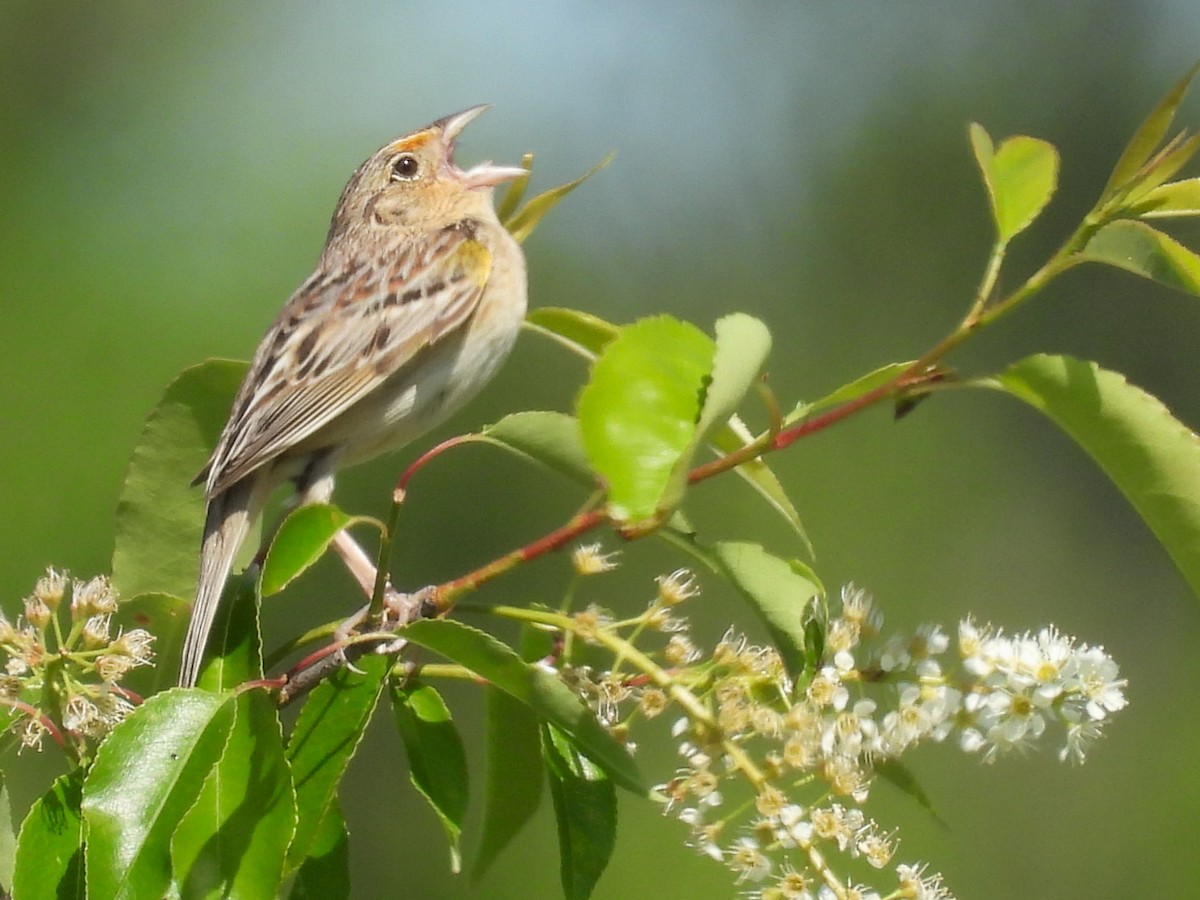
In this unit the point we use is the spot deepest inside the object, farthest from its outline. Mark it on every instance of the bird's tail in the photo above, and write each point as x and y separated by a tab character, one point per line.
228	520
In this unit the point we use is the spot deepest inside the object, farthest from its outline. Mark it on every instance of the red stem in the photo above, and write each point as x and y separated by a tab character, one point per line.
34	713
548	543
445	593
789	436
427	457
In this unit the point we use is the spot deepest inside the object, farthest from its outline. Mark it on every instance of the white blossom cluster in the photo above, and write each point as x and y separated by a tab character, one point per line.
91	661
808	744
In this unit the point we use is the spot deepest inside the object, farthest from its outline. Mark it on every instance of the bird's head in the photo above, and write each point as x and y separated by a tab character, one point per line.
414	182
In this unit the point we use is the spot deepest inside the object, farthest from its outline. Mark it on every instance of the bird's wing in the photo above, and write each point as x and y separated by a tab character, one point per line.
340	336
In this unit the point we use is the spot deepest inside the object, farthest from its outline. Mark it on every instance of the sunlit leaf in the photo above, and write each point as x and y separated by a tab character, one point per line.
1020	175
547	695
585	810
1179	198
234	652
638	412
552	439
326	735
743	344
679	533
1152	457
8	839
437	763
578	331
522	223
301	540
160	516
325	873
774	587
514	775
1149	134
777	590
49	860
1165	165
1138	248
759	476
864	384
166	618
902	778
147	774
233	840
514	192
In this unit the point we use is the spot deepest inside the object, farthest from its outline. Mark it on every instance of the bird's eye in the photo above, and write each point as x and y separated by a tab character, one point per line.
405	167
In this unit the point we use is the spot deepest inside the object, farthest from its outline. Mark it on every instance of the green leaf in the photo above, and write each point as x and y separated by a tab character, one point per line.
743	344
552	439
679	533
233	840
160	517
325	874
1177	199
864	384
8	839
165	617
815	630
901	777
778	591
514	775
580	332
638	413
1147	453
499	664
1165	164
147	774
327	733
1020	175
585	809
514	191
760	477
1149	135
49	860
1138	248
437	763
235	642
526	219
301	540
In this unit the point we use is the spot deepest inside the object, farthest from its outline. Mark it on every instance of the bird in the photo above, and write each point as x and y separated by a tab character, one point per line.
416	300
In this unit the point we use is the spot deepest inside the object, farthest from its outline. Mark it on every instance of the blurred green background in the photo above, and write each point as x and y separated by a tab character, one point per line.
166	176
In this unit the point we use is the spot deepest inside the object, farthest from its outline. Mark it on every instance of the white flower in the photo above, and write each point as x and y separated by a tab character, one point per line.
1094	675
916	884
794	826
588	560
859	608
972	645
826	689
677	587
1080	736
876	848
930	640
747	860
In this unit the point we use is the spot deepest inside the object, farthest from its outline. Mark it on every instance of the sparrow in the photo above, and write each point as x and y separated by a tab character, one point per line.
416	300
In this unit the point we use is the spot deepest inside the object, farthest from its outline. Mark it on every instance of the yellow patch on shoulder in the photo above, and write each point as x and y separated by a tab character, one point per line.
475	261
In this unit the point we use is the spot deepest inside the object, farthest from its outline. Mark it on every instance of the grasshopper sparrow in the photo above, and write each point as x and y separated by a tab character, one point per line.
416	300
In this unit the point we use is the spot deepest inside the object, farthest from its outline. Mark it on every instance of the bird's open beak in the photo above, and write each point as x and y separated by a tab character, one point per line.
486	174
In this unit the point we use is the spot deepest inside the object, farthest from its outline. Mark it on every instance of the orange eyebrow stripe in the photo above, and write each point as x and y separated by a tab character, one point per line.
412	142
